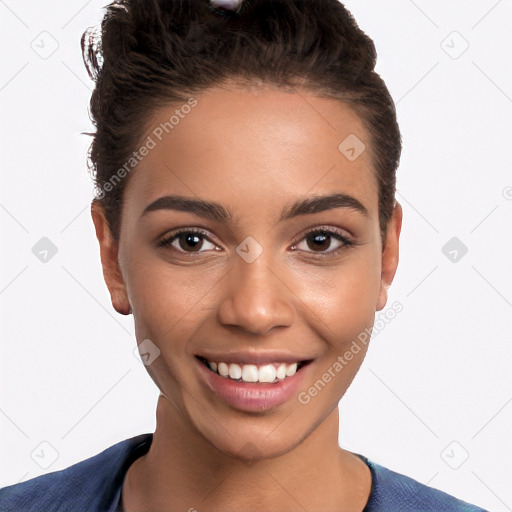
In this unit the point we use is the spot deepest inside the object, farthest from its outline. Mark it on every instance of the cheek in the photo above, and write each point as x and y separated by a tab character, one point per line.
169	308
170	304
342	299
341	310
164	292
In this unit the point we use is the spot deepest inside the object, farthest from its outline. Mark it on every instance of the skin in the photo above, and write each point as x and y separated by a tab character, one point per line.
254	151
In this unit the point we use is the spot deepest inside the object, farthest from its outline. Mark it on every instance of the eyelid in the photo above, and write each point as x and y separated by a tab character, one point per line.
326	228
341	235
167	239
187	229
346	240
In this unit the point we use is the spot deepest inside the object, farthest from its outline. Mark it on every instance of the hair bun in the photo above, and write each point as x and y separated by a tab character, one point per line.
229	5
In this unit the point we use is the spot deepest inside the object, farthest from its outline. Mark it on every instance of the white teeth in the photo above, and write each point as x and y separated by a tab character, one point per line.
267	373
291	370
250	373
253	373
235	371
223	369
281	371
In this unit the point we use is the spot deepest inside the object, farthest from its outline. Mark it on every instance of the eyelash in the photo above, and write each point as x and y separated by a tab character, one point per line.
346	242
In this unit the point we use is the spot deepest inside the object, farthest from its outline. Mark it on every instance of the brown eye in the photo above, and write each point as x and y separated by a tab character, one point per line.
187	241
321	240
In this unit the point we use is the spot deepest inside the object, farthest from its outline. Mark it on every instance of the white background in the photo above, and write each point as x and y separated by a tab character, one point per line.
436	386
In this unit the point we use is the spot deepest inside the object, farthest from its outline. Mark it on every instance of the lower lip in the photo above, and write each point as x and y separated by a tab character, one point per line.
252	396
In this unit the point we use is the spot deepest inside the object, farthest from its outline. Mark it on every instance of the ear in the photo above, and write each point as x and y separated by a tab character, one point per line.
109	249
390	255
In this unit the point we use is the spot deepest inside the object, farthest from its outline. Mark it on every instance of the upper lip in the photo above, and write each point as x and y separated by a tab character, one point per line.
256	357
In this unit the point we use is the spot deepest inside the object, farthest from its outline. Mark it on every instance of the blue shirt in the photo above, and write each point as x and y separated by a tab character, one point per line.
94	485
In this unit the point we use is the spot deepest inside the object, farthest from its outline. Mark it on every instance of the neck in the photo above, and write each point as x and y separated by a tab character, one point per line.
183	471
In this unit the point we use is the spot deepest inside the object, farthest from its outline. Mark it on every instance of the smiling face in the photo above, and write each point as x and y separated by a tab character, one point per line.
286	267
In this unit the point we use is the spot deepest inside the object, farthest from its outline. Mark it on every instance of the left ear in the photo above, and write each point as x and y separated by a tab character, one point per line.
390	255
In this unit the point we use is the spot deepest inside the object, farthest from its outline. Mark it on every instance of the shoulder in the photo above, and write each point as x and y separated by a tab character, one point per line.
89	485
394	492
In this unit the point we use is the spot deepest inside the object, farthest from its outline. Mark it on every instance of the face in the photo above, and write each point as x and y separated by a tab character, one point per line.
271	256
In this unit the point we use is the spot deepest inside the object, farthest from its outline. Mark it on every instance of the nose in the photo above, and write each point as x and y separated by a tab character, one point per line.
257	298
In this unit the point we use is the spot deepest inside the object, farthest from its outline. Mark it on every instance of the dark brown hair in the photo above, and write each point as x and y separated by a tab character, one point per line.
151	53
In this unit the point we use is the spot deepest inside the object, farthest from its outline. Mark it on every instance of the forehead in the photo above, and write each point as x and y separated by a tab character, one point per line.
254	148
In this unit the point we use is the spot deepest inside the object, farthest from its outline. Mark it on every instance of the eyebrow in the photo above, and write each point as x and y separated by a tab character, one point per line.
215	211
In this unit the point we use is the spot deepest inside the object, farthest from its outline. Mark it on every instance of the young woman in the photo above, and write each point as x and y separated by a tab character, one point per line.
244	161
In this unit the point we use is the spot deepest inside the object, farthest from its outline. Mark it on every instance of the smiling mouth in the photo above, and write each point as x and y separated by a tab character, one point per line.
265	373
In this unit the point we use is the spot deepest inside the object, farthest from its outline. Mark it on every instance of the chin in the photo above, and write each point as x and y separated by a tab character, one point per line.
250	448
